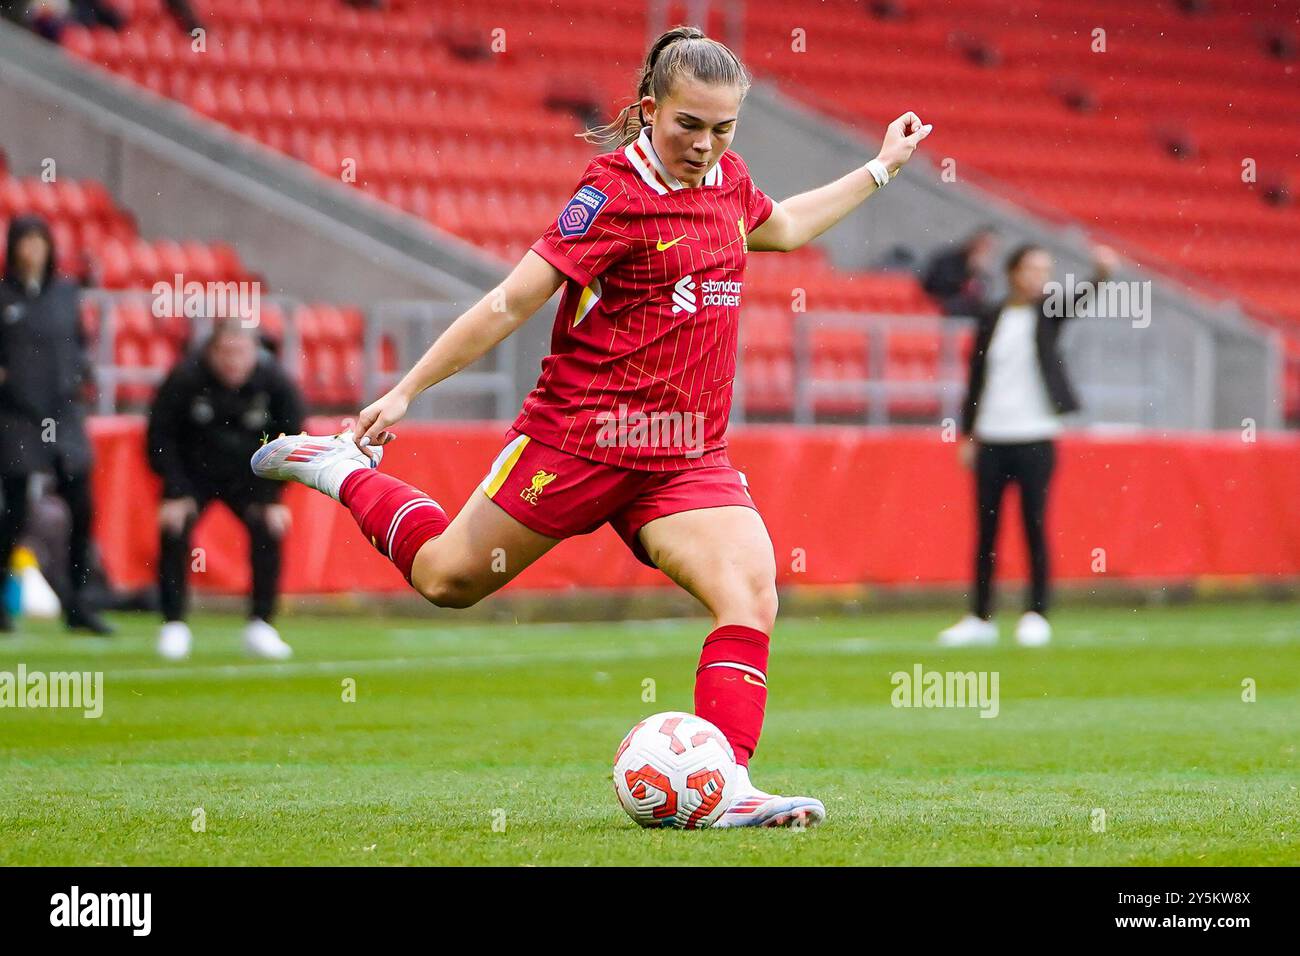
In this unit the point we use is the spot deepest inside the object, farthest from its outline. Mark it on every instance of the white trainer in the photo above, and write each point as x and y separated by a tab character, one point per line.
757	808
317	461
970	631
1033	630
262	640
174	641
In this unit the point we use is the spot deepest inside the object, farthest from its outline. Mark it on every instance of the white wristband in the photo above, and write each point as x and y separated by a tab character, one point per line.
879	173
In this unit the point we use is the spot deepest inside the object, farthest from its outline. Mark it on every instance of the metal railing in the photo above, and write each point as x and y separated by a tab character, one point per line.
109	374
395	335
412	326
1160	377
877	390
1122	378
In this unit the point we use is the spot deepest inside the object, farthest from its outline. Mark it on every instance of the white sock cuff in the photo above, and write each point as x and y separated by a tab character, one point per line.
740	667
332	478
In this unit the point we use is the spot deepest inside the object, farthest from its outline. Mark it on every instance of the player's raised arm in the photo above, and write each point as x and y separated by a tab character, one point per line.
474	333
800	219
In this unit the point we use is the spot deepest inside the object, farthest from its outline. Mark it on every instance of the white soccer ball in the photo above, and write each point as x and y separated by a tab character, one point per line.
675	770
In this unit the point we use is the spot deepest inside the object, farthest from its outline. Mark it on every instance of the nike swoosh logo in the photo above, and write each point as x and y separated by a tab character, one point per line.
661	245
750	680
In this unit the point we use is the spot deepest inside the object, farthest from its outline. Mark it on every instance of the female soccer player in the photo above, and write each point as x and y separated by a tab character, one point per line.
627	423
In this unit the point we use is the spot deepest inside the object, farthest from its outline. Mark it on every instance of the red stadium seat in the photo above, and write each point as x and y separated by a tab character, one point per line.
146	266
200	263
112	262
271	323
913	357
131	352
133	320
839	355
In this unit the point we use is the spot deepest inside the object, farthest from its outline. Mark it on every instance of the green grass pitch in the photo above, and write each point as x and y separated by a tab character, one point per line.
491	744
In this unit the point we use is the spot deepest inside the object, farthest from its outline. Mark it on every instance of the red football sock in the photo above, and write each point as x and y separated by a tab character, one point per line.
731	685
397	518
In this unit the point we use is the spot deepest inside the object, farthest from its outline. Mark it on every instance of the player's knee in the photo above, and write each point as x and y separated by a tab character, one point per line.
752	601
449	590
766	603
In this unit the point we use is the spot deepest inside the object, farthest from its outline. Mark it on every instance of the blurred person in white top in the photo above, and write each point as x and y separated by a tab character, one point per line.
1018	392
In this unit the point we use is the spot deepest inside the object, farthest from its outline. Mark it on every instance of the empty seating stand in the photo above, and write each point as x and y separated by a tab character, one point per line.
434	124
1142	142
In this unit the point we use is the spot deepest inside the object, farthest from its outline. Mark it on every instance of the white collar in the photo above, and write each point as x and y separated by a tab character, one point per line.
641	154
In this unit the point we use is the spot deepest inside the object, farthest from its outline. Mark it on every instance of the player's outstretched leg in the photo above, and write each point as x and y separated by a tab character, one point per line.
723	556
451	563
395	517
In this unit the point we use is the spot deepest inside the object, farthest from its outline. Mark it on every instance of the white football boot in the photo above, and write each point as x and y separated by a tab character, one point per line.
317	461
970	631
1033	630
262	640
174	641
755	808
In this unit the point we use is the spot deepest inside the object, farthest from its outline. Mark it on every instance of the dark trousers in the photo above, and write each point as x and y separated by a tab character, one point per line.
175	559
74	489
1028	465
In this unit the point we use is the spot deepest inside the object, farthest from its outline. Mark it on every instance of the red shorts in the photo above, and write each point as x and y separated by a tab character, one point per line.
561	495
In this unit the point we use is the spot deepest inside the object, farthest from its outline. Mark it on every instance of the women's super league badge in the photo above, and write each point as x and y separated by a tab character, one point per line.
581	210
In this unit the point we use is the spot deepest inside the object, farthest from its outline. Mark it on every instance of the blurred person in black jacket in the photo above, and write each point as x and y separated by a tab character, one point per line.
211	413
44	371
959	278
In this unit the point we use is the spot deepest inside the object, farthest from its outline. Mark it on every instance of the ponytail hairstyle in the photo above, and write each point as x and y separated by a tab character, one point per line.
681	51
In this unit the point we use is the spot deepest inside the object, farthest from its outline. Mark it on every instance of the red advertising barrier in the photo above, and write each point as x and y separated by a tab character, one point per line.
844	505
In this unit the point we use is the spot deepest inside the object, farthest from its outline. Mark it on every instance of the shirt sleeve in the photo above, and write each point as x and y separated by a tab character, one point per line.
758	207
592	231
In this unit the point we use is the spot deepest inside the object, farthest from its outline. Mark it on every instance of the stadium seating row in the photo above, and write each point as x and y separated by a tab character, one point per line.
98	242
482	158
329	358
1103	123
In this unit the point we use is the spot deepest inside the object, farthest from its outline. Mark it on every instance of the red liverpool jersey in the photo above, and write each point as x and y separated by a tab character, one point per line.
643	354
